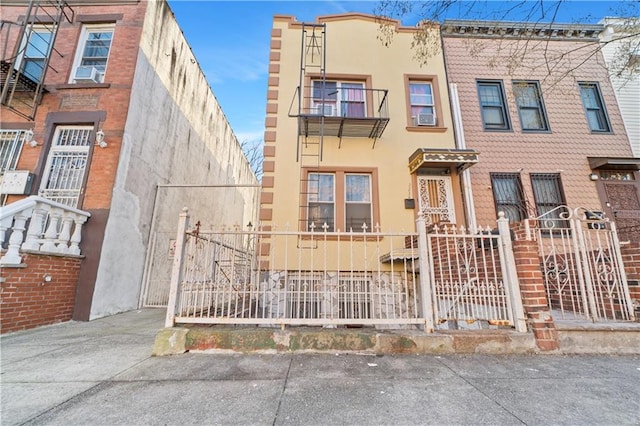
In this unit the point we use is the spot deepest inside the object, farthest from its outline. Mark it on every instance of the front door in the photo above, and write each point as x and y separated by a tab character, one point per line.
435	199
64	172
622	192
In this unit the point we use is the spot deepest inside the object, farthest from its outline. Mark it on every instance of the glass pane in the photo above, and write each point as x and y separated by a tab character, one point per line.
490	95
38	46
421	110
546	190
328	91
321	187
531	119
526	95
589	97
420	94
506	190
358	188
98	44
595	120
493	116
353	92
321	213
33	68
357	215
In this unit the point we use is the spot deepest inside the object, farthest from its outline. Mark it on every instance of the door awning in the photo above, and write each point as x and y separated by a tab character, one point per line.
430	157
614	163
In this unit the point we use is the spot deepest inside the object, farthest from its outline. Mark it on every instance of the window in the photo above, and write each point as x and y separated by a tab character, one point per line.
423	112
530	106
344	200
35	50
423	103
338	99
93	53
11	142
594	107
547	193
508	195
493	105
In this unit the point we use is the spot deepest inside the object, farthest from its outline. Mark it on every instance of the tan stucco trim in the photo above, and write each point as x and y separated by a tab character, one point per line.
274	56
266	198
267	181
276	44
292	23
276	32
272	108
274	68
269	136
272	95
273	81
268	166
271	122
269	151
266	214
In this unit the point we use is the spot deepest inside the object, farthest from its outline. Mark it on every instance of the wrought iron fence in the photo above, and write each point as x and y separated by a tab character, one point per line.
582	266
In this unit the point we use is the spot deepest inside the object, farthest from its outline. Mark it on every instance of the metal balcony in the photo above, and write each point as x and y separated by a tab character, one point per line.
342	112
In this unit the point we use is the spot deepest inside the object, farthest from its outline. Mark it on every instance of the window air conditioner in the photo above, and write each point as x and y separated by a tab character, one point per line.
426	120
88	74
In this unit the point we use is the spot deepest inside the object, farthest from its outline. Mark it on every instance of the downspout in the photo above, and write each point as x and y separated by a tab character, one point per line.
461	144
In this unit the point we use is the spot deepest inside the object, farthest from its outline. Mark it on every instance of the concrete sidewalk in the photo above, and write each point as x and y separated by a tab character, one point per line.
102	373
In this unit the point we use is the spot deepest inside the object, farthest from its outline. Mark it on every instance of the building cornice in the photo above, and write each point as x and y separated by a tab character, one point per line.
519	30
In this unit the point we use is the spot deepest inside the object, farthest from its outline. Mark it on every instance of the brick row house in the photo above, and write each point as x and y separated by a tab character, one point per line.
547	138
108	129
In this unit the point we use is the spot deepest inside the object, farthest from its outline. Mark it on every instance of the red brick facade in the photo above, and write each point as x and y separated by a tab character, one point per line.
29	300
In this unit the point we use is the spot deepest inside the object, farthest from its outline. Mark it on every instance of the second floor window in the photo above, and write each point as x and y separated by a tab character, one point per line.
594	107
93	53
493	105
34	52
423	111
338	99
530	106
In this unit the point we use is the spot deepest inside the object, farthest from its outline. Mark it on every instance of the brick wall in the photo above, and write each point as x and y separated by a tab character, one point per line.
631	260
29	301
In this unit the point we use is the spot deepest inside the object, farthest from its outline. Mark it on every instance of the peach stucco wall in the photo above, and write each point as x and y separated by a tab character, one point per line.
563	149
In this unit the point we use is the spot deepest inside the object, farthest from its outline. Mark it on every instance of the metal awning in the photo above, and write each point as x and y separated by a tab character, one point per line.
429	157
614	163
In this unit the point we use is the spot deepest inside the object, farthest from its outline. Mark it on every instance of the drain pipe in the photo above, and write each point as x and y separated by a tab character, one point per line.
470	210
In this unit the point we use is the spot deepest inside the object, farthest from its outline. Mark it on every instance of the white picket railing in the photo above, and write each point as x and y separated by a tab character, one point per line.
50	227
283	277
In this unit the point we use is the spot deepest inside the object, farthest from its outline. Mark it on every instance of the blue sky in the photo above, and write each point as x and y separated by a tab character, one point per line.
230	40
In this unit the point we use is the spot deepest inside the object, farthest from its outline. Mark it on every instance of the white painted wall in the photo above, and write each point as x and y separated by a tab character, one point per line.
626	87
176	133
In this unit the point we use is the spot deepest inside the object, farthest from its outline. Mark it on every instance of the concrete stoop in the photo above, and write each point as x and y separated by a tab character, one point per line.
178	340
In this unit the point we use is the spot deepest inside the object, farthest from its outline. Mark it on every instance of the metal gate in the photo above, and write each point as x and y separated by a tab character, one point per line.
582	266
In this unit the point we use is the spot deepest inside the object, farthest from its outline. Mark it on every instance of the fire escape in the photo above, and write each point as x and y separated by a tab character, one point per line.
23	69
328	108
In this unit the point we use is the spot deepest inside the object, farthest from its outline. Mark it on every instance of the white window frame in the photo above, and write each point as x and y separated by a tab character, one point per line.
82	42
358	228
425	104
318	105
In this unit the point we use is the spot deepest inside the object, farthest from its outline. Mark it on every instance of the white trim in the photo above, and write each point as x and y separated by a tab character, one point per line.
82	41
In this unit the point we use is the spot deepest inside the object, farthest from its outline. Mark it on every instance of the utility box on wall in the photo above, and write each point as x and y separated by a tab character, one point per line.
16	182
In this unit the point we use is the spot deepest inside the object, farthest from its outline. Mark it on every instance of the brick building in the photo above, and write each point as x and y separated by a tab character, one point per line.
537	103
107	116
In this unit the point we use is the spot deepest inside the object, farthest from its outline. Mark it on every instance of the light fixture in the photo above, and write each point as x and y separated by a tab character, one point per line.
28	138
593	176
100	139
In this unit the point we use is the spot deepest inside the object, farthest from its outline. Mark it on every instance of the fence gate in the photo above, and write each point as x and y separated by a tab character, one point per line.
473	278
582	266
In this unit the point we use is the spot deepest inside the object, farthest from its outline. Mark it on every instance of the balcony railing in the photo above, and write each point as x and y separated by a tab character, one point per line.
51	228
342	112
